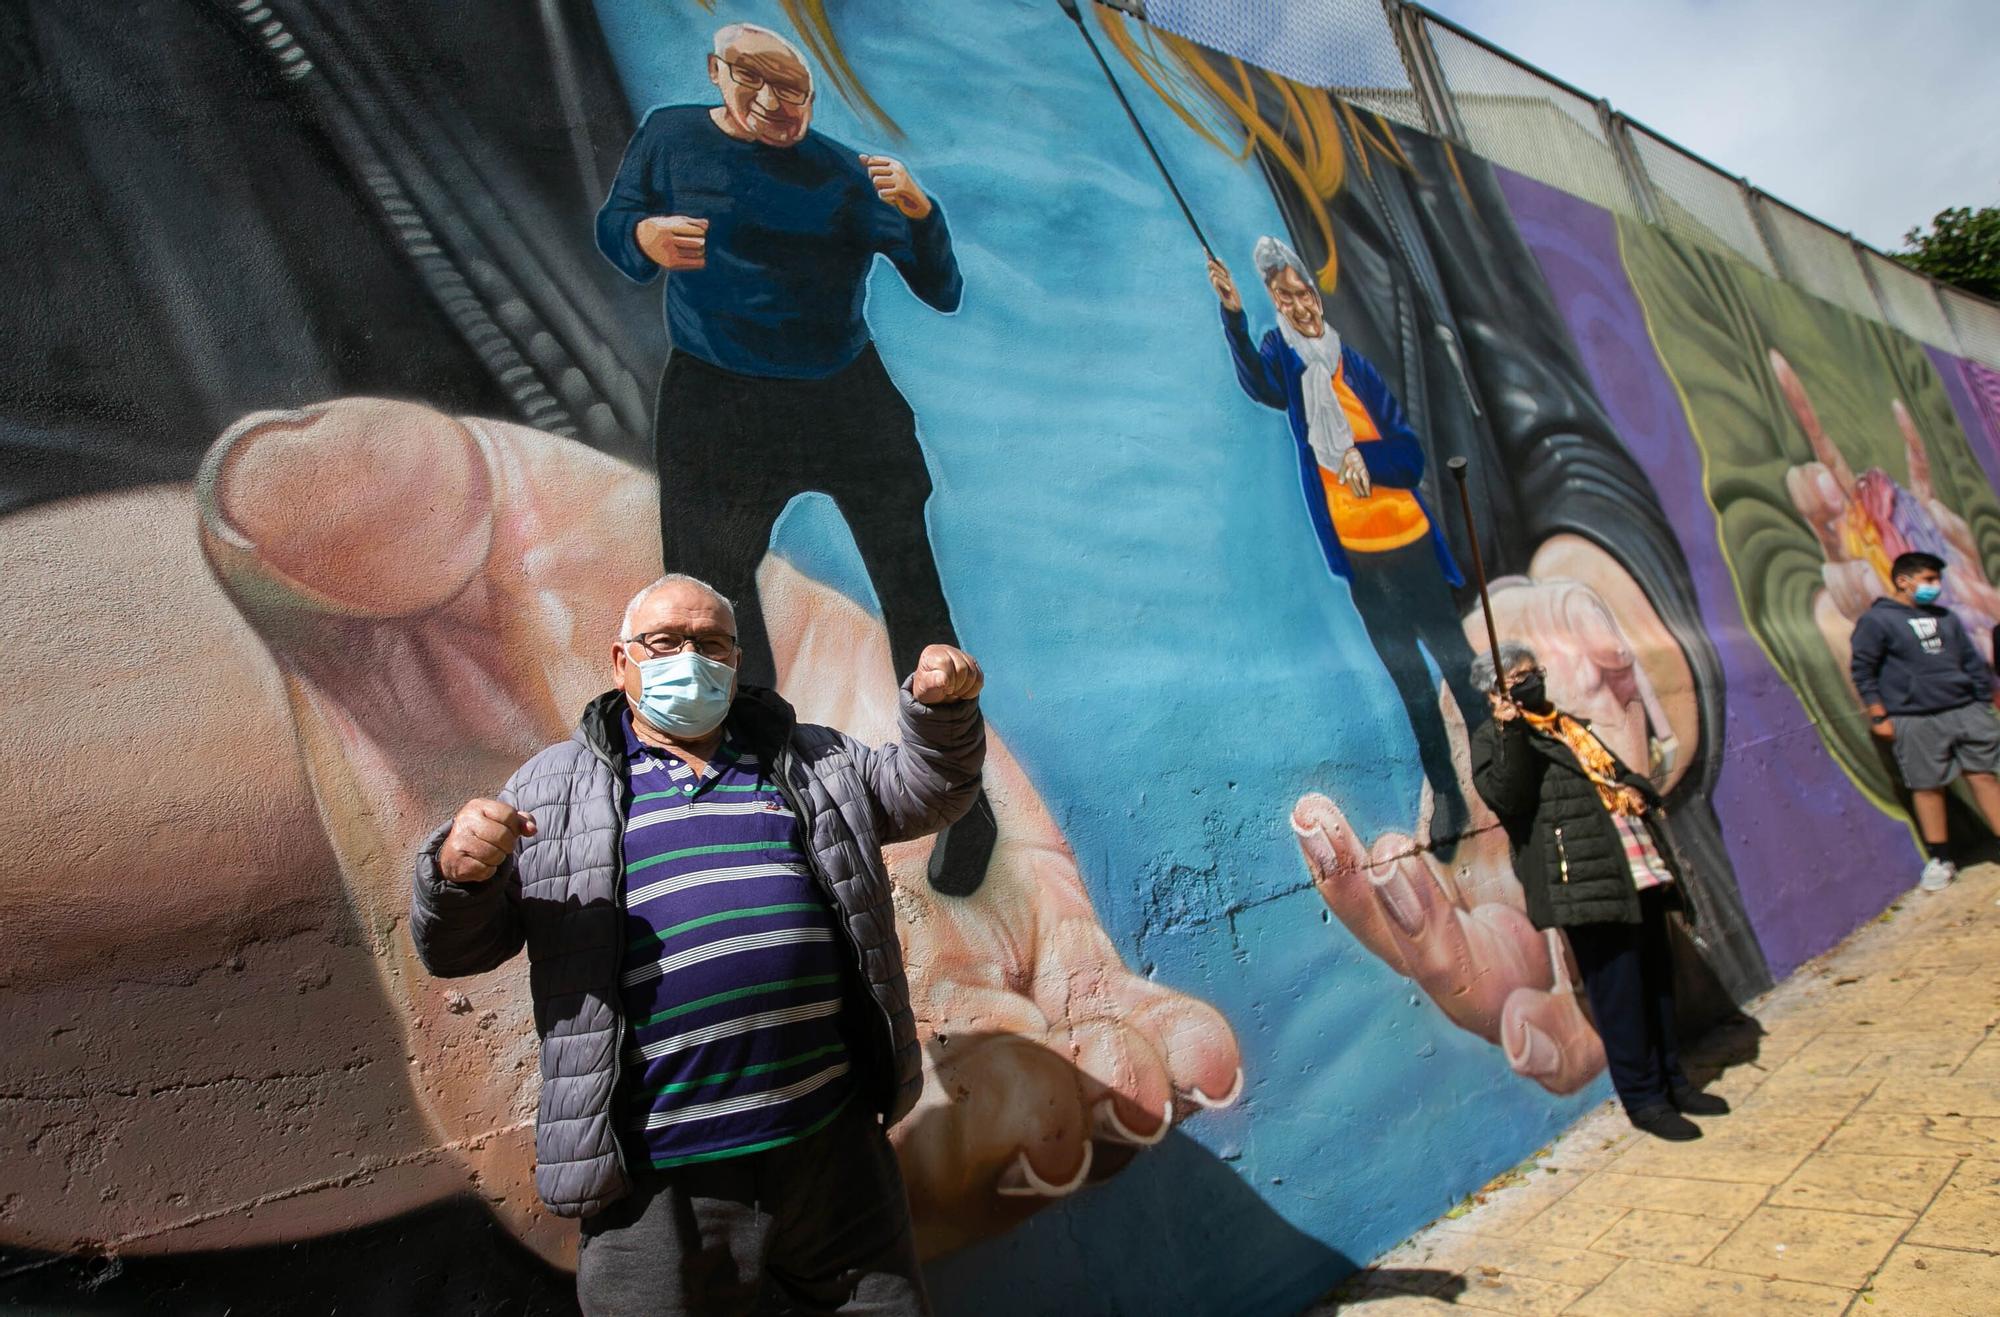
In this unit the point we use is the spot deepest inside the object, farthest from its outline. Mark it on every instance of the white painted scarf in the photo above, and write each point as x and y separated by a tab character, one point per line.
1327	430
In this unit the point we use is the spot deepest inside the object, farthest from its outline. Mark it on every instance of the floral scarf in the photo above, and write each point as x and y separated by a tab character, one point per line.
1598	763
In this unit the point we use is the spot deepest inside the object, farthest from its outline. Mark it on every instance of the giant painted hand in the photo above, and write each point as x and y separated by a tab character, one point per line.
1862	522
436	594
1460	930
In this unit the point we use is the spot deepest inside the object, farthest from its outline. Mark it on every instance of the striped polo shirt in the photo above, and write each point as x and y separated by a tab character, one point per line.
733	966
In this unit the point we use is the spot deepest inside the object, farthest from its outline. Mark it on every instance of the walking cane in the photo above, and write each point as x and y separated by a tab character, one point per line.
1456	466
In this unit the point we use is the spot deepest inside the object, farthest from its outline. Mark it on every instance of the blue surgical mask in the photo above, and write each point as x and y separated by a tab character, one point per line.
1927	594
685	694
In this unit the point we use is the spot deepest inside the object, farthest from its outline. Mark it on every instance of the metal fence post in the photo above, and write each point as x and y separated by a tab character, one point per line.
1406	26
1637	180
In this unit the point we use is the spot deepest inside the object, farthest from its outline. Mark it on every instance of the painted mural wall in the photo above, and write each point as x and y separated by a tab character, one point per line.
335	432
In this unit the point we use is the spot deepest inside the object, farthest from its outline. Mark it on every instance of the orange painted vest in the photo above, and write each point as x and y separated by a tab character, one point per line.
1388	518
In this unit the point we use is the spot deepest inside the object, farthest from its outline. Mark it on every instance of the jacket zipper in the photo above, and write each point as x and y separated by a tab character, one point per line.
1562	855
785	761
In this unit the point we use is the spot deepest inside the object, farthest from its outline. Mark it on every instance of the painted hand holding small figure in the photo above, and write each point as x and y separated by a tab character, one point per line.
1863	521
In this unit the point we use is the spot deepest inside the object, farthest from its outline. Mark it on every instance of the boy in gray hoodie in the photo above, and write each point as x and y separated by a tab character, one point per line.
1930	695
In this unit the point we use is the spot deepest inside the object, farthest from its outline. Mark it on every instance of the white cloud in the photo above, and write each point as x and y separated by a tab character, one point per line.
1870	116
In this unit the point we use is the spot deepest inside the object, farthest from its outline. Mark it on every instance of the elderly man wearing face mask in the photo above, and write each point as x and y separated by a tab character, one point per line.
1362	469
1589	852
726	1028
767	231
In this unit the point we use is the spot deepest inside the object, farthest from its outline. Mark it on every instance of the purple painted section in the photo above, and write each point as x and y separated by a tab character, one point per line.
1813	858
1970	385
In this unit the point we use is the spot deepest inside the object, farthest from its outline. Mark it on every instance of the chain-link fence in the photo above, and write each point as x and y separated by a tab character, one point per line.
1345	46
1530	124
1410	65
1696	201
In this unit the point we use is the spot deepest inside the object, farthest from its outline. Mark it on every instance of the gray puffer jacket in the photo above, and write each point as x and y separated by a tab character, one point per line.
561	896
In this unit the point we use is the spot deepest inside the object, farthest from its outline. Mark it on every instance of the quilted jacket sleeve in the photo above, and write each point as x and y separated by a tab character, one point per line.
1503	768
463	929
930	779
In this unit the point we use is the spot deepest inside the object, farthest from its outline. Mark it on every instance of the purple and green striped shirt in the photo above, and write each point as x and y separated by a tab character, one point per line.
733	978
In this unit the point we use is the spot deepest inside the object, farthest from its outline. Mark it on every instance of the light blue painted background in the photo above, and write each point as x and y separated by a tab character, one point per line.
1120	536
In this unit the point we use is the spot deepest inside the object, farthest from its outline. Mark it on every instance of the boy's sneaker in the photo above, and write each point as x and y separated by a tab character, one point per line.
1937	875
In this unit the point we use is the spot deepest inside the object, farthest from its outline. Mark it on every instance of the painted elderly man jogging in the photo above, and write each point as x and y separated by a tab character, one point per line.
1588	849
1930	695
767	232
725	1024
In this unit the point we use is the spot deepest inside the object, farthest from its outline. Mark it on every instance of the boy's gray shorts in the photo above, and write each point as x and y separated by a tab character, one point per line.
1934	748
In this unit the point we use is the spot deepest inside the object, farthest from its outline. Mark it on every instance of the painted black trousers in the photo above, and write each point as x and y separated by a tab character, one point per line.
1628	975
820	1226
734	449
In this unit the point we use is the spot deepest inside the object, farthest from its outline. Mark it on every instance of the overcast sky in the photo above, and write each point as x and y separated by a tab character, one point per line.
1871	114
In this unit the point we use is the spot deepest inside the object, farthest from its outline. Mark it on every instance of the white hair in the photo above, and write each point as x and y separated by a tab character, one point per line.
730	33
1271	255
672	578
1485	678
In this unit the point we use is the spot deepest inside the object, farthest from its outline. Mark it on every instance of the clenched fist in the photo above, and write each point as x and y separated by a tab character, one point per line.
482	836
673	242
945	674
895	186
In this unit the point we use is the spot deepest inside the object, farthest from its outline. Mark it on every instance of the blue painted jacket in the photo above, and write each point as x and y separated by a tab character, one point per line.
1272	374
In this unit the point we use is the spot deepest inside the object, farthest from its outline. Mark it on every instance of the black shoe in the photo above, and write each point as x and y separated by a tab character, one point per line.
963	850
1665	1123
1694	1102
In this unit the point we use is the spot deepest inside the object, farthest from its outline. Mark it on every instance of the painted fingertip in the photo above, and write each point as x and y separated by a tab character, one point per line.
1228	1099
1533	1052
1105	1125
1399	899
1020	1181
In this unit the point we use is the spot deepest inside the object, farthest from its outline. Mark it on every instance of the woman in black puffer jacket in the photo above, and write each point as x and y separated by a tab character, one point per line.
1586	837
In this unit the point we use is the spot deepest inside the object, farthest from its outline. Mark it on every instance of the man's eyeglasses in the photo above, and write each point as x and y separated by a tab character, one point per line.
751	80
710	645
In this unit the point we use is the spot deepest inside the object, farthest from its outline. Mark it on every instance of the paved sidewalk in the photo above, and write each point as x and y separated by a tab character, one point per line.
1859	1173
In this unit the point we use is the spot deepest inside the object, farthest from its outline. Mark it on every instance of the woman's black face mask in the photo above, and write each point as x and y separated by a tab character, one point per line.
1530	691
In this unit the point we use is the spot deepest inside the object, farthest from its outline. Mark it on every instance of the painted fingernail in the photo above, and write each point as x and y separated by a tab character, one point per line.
1105	1124
1535	1053
1206	1102
1393	890
1020	1181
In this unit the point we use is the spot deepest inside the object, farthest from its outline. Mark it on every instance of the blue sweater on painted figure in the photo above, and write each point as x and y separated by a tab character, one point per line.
793	232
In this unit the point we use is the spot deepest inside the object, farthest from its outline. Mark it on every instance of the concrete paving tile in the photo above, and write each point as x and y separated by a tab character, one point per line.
1384	1305
1800	1092
1665	1289
1934	1282
1966	1213
1838	1248
1504	1292
1982	1063
1505	1209
1885	1052
1593	1141
1570	1222
1474	1255
1717	1200
1939	1095
1755	1149
1663	1236
1914	1134
1878	1186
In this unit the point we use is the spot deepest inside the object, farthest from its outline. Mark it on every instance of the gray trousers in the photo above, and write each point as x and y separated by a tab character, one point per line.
817	1226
